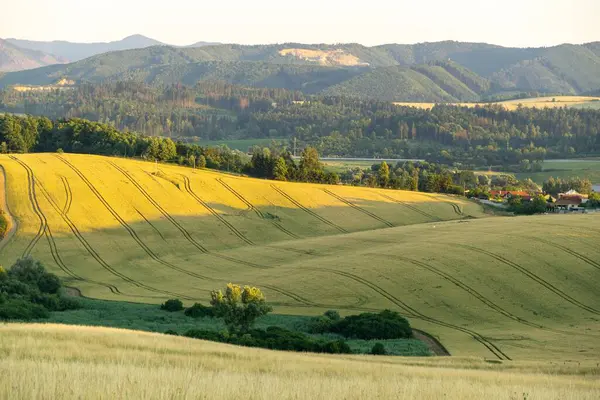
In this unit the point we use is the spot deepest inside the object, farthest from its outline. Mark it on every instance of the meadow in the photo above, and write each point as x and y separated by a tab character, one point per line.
239	144
497	288
58	361
537	102
584	168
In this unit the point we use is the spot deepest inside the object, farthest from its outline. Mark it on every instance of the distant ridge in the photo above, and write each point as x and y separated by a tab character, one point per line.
14	58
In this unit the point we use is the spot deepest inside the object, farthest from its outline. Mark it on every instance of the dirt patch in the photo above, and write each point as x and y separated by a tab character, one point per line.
12	223
432	343
71	291
324	57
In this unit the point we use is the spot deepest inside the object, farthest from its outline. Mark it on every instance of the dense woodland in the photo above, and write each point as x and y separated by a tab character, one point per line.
335	126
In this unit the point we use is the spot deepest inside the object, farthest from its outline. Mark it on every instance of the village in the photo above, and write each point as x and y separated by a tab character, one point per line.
568	202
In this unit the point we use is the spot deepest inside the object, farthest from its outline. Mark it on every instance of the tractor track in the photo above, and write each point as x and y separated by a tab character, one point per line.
413	313
181	229
532	276
412	208
130	230
236	232
41	218
580	256
307	210
68	193
476	294
358	208
151	224
48	232
251	207
307	303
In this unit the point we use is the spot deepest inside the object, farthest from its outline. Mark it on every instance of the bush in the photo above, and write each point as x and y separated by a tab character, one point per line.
205	335
172	305
385	325
378	349
199	311
332	315
21	310
320	324
171	332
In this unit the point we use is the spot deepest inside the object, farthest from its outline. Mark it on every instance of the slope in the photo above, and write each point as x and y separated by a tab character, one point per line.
14	58
126	230
80	362
78	51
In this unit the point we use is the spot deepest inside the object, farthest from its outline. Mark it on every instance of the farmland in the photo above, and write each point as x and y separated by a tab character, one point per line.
588	168
537	102
129	230
65	362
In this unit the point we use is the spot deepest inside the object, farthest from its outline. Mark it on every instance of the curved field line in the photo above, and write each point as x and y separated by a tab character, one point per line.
126	226
177	225
479	296
413	313
69	194
412	208
307	303
532	276
190	191
358	208
251	207
307	210
30	193
151	224
48	231
580	256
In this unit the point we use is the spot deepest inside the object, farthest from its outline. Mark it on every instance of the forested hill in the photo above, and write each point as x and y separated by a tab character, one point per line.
13	58
428	72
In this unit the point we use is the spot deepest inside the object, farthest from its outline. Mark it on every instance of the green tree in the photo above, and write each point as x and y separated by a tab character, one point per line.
239	307
383	174
280	170
201	162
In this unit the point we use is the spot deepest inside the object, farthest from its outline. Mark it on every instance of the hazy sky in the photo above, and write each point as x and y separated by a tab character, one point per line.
506	22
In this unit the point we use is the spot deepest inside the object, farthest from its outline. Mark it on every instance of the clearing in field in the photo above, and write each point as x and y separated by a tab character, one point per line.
501	288
58	361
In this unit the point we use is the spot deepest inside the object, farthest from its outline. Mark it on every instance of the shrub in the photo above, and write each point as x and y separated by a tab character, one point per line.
385	325
199	311
204	335
378	349
320	324
172	305
332	315
171	332
21	310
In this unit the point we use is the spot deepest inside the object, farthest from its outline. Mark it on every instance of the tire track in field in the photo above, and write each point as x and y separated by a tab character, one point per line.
533	277
68	193
128	228
236	232
580	256
251	207
48	232
411	207
413	313
474	293
177	225
41	218
151	225
358	208
308	303
307	210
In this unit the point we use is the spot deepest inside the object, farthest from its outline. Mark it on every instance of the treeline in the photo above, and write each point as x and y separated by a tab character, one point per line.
335	126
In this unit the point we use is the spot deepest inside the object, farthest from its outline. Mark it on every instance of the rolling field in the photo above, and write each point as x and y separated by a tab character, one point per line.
537	102
584	168
58	361
499	288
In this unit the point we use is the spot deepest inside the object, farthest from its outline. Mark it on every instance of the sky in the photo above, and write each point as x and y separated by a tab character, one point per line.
518	23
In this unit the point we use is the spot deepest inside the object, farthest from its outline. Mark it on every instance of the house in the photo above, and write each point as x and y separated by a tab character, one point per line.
572	195
568	203
507	194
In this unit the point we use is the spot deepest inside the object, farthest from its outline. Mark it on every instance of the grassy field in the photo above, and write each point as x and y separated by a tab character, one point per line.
584	168
537	102
500	288
57	361
239	144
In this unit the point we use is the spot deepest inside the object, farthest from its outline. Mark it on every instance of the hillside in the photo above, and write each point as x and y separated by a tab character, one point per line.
451	71
14	58
80	362
78	51
136	231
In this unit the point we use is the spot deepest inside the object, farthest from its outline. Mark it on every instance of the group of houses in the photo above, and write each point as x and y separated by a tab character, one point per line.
570	201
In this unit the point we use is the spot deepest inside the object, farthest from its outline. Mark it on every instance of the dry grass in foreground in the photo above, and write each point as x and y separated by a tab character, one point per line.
57	361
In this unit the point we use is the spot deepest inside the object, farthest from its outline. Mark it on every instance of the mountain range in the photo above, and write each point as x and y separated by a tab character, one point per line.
14	58
430	72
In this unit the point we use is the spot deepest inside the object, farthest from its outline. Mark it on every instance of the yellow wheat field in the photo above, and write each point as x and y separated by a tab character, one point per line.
537	102
54	361
499	288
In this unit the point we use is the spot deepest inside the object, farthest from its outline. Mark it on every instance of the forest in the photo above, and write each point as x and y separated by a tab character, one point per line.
335	126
